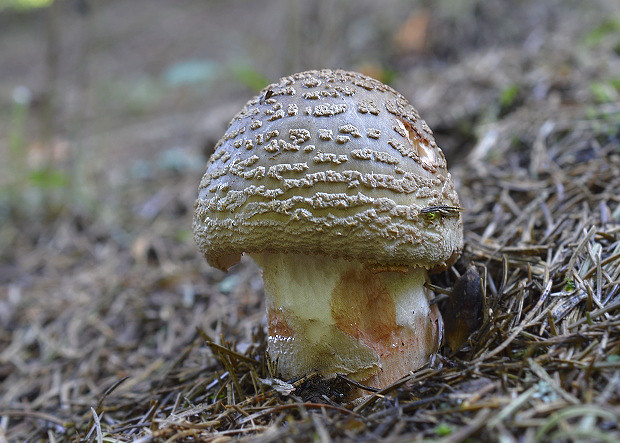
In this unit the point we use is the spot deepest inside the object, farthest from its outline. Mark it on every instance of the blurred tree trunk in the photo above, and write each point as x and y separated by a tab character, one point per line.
52	55
294	31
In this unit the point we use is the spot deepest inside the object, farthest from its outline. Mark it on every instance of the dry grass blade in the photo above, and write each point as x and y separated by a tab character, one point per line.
96	427
35	414
527	322
218	349
581	411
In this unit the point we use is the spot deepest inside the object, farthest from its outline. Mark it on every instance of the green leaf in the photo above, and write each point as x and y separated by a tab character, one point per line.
603	92
49	178
249	76
24	5
608	27
443	430
569	285
509	95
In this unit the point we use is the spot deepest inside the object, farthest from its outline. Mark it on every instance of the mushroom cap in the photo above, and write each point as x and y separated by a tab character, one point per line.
329	162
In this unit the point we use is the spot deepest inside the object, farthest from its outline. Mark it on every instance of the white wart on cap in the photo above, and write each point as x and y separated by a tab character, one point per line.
324	176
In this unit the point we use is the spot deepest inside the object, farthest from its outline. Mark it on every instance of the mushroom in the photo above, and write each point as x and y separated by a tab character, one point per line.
334	185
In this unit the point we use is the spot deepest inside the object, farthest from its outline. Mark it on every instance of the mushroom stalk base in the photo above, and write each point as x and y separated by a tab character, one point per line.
373	324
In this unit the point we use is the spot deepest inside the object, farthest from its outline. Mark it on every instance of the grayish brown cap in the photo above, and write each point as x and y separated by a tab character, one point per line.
333	163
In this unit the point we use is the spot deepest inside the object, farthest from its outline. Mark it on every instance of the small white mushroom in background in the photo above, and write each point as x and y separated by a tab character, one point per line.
334	185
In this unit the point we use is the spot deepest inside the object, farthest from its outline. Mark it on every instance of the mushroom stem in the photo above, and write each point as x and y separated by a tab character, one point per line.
373	324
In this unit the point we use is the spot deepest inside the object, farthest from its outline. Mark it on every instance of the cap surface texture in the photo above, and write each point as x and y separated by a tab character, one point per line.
332	163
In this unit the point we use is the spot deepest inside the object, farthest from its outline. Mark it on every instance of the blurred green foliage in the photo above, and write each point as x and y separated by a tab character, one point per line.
609	27
509	95
249	76
24	5
205	72
28	190
443	430
48	178
605	92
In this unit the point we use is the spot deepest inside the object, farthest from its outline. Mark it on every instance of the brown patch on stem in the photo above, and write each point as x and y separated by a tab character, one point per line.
363	308
414	349
277	324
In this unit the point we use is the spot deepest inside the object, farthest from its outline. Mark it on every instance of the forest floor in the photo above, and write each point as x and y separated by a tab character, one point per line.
112	326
